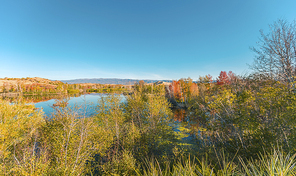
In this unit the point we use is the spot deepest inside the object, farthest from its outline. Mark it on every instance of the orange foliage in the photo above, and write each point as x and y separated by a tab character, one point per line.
175	89
179	115
194	89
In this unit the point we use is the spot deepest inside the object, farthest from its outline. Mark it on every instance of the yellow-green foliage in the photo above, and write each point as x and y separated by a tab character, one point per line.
112	118
248	116
140	127
152	116
138	136
19	125
72	141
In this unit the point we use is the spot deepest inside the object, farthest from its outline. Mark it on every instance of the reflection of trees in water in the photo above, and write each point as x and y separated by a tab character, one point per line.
182	115
10	99
44	97
179	115
41	98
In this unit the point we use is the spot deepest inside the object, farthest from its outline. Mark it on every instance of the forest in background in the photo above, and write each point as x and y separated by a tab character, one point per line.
239	125
42	86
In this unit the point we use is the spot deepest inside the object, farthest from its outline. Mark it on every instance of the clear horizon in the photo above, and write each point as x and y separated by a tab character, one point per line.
157	40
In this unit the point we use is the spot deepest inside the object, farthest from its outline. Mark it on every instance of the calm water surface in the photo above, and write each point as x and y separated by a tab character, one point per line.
86	102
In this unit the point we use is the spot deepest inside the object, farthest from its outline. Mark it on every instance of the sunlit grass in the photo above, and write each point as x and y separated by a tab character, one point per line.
275	163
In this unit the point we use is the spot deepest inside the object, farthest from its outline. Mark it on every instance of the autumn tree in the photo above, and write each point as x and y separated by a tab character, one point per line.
141	83
194	89
232	77
223	78
175	89
206	79
276	52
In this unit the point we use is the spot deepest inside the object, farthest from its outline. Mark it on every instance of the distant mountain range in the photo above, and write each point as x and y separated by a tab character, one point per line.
110	81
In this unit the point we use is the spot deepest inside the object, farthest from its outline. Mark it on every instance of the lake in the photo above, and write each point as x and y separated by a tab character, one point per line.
86	102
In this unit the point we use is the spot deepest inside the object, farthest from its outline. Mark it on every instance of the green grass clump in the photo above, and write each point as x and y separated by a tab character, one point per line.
275	163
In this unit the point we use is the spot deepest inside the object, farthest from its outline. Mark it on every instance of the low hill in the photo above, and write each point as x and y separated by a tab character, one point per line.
110	81
17	83
34	80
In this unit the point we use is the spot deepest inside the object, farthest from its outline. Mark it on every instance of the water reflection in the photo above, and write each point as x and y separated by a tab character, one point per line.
180	115
42	98
86	103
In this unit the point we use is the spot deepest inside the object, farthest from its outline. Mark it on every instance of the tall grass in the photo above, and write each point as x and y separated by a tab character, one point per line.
188	166
275	163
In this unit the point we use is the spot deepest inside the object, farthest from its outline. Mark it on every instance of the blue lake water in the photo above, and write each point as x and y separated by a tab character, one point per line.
86	103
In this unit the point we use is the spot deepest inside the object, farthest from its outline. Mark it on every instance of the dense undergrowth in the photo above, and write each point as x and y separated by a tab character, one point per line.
242	127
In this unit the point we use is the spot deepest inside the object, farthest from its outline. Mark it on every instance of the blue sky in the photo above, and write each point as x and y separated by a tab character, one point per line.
141	39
